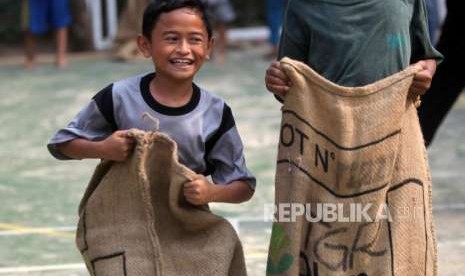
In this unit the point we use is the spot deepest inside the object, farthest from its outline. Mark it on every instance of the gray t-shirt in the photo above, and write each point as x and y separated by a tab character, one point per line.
204	128
355	42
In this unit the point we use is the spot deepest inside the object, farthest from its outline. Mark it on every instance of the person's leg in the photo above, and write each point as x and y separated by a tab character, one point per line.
62	47
61	18
224	14
30	50
274	12
36	23
221	42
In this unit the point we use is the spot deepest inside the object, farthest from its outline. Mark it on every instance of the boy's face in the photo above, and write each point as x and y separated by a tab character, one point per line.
179	44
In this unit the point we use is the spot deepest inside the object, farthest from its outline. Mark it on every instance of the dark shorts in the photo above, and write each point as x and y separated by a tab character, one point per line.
44	14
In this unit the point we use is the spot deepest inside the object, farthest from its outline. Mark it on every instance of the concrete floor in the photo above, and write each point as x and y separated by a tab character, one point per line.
447	158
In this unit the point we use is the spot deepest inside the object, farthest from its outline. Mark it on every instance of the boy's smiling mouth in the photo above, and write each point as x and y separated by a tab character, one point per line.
182	61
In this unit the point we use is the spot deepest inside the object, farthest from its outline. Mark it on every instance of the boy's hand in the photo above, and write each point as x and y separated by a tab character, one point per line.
422	80
118	146
199	190
276	81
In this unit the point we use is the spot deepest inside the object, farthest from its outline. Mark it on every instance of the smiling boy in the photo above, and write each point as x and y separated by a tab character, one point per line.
177	36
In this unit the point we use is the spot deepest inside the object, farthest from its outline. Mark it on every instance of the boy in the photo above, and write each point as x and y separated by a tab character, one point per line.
177	36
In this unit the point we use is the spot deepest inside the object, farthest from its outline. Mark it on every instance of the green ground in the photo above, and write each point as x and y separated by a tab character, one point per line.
39	191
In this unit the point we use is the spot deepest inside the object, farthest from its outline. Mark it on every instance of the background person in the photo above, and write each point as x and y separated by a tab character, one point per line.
41	15
274	19
223	14
128	28
449	80
355	50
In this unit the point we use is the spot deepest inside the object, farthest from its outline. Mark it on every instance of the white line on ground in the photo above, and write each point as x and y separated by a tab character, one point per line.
40	230
27	269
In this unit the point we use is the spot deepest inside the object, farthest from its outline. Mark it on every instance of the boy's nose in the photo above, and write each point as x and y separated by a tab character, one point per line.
183	47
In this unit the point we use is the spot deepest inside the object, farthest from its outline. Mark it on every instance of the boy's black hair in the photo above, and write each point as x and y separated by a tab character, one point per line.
156	8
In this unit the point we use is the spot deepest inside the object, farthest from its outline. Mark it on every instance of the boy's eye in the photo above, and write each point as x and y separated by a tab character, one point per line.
171	38
196	40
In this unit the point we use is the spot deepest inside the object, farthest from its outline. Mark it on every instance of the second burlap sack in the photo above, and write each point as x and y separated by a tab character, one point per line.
355	159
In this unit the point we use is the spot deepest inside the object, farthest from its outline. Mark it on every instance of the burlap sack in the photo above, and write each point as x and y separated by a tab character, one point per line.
134	219
356	147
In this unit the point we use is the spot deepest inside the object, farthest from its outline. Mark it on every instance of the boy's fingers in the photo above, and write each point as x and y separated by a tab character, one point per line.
422	64
424	75
422	82
279	90
193	201
123	133
120	133
197	177
279	72
189	185
419	85
190	192
275	64
275	74
129	140
273	80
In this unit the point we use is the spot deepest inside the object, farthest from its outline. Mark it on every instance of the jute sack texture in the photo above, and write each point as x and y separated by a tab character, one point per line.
356	149
134	219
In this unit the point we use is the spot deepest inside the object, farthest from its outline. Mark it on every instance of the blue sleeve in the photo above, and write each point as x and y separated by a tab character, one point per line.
94	122
225	154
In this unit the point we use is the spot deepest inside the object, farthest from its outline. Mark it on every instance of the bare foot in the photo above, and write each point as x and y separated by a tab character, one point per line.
61	63
30	64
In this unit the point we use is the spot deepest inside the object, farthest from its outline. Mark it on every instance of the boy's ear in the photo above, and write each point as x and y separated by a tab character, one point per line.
144	46
210	45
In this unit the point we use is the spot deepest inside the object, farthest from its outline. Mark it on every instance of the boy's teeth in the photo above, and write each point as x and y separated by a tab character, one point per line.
181	61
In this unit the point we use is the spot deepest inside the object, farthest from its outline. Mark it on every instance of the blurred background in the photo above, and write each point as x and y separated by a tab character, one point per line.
39	195
248	13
